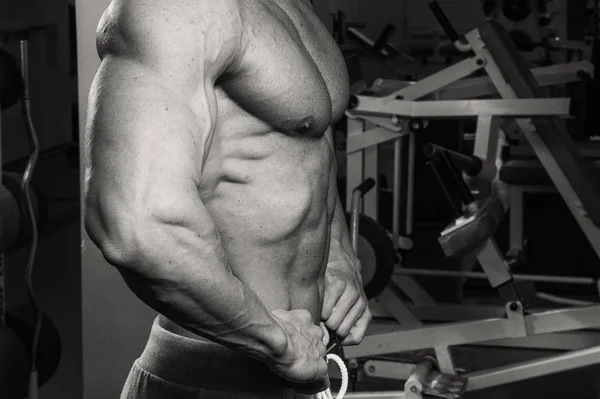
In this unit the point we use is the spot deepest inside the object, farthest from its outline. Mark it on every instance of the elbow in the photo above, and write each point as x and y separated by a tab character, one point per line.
115	235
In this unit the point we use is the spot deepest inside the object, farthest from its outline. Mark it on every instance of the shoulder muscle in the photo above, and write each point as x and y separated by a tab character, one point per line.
178	37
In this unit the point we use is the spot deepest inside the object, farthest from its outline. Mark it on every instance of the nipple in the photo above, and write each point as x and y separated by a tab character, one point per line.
305	126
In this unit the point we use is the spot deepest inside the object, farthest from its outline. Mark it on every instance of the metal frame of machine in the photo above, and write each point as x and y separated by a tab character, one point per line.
369	128
386	116
367	131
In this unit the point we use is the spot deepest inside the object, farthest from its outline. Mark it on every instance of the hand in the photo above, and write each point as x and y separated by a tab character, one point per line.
345	305
304	358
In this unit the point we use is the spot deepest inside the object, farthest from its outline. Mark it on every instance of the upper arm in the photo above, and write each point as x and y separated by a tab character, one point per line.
152	111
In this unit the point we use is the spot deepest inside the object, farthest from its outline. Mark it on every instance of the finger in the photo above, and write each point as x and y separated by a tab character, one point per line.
358	331
332	295
350	319
326	337
341	308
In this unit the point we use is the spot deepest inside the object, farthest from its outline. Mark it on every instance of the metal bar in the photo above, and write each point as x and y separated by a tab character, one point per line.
398	148
576	340
469	164
516	236
486	145
500	375
483	86
554	321
410	188
430	337
443	312
369	138
531	369
441	172
354	219
493	264
398	309
413	290
445	360
570	340
354	161
394	370
377	120
482	276
464	108
371	170
456	179
439	80
376	395
474	332
438	312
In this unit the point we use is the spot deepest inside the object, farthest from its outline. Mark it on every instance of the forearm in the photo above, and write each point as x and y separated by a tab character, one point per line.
183	274
340	244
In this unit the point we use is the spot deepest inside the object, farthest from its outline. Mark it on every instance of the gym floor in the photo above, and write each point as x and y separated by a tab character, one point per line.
58	271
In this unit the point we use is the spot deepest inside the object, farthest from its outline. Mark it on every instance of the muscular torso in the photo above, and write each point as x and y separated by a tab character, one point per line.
267	179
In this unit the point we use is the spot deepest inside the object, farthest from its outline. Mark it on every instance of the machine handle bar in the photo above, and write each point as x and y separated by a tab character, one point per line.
357	193
444	21
471	165
365	186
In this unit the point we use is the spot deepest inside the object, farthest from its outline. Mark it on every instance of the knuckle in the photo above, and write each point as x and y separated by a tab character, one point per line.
316	352
361	302
318	334
304	314
334	323
322	350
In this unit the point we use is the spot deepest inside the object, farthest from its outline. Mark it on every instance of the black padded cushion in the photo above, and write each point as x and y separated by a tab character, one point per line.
578	171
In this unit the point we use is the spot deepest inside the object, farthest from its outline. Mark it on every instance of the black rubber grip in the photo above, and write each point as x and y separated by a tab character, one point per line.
471	165
384	37
444	21
353	102
365	186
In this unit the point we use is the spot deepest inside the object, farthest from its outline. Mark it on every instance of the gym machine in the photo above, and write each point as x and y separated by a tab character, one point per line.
366	130
376	118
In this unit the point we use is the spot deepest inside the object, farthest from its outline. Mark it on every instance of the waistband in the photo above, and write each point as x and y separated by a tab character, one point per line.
205	364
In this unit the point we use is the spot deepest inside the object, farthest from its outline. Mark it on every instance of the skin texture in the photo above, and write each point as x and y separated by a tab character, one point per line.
210	180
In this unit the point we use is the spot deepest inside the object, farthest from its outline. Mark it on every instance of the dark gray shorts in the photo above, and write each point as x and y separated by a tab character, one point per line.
176	367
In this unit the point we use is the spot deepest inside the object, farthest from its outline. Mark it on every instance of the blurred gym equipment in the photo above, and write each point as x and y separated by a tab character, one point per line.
30	348
390	114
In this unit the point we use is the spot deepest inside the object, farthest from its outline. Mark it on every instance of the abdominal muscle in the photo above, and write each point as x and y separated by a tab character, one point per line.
273	215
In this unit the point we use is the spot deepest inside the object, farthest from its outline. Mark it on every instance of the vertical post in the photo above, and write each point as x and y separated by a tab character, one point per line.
371	167
398	149
354	162
487	139
410	189
516	221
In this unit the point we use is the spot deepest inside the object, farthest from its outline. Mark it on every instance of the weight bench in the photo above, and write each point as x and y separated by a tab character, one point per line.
573	177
